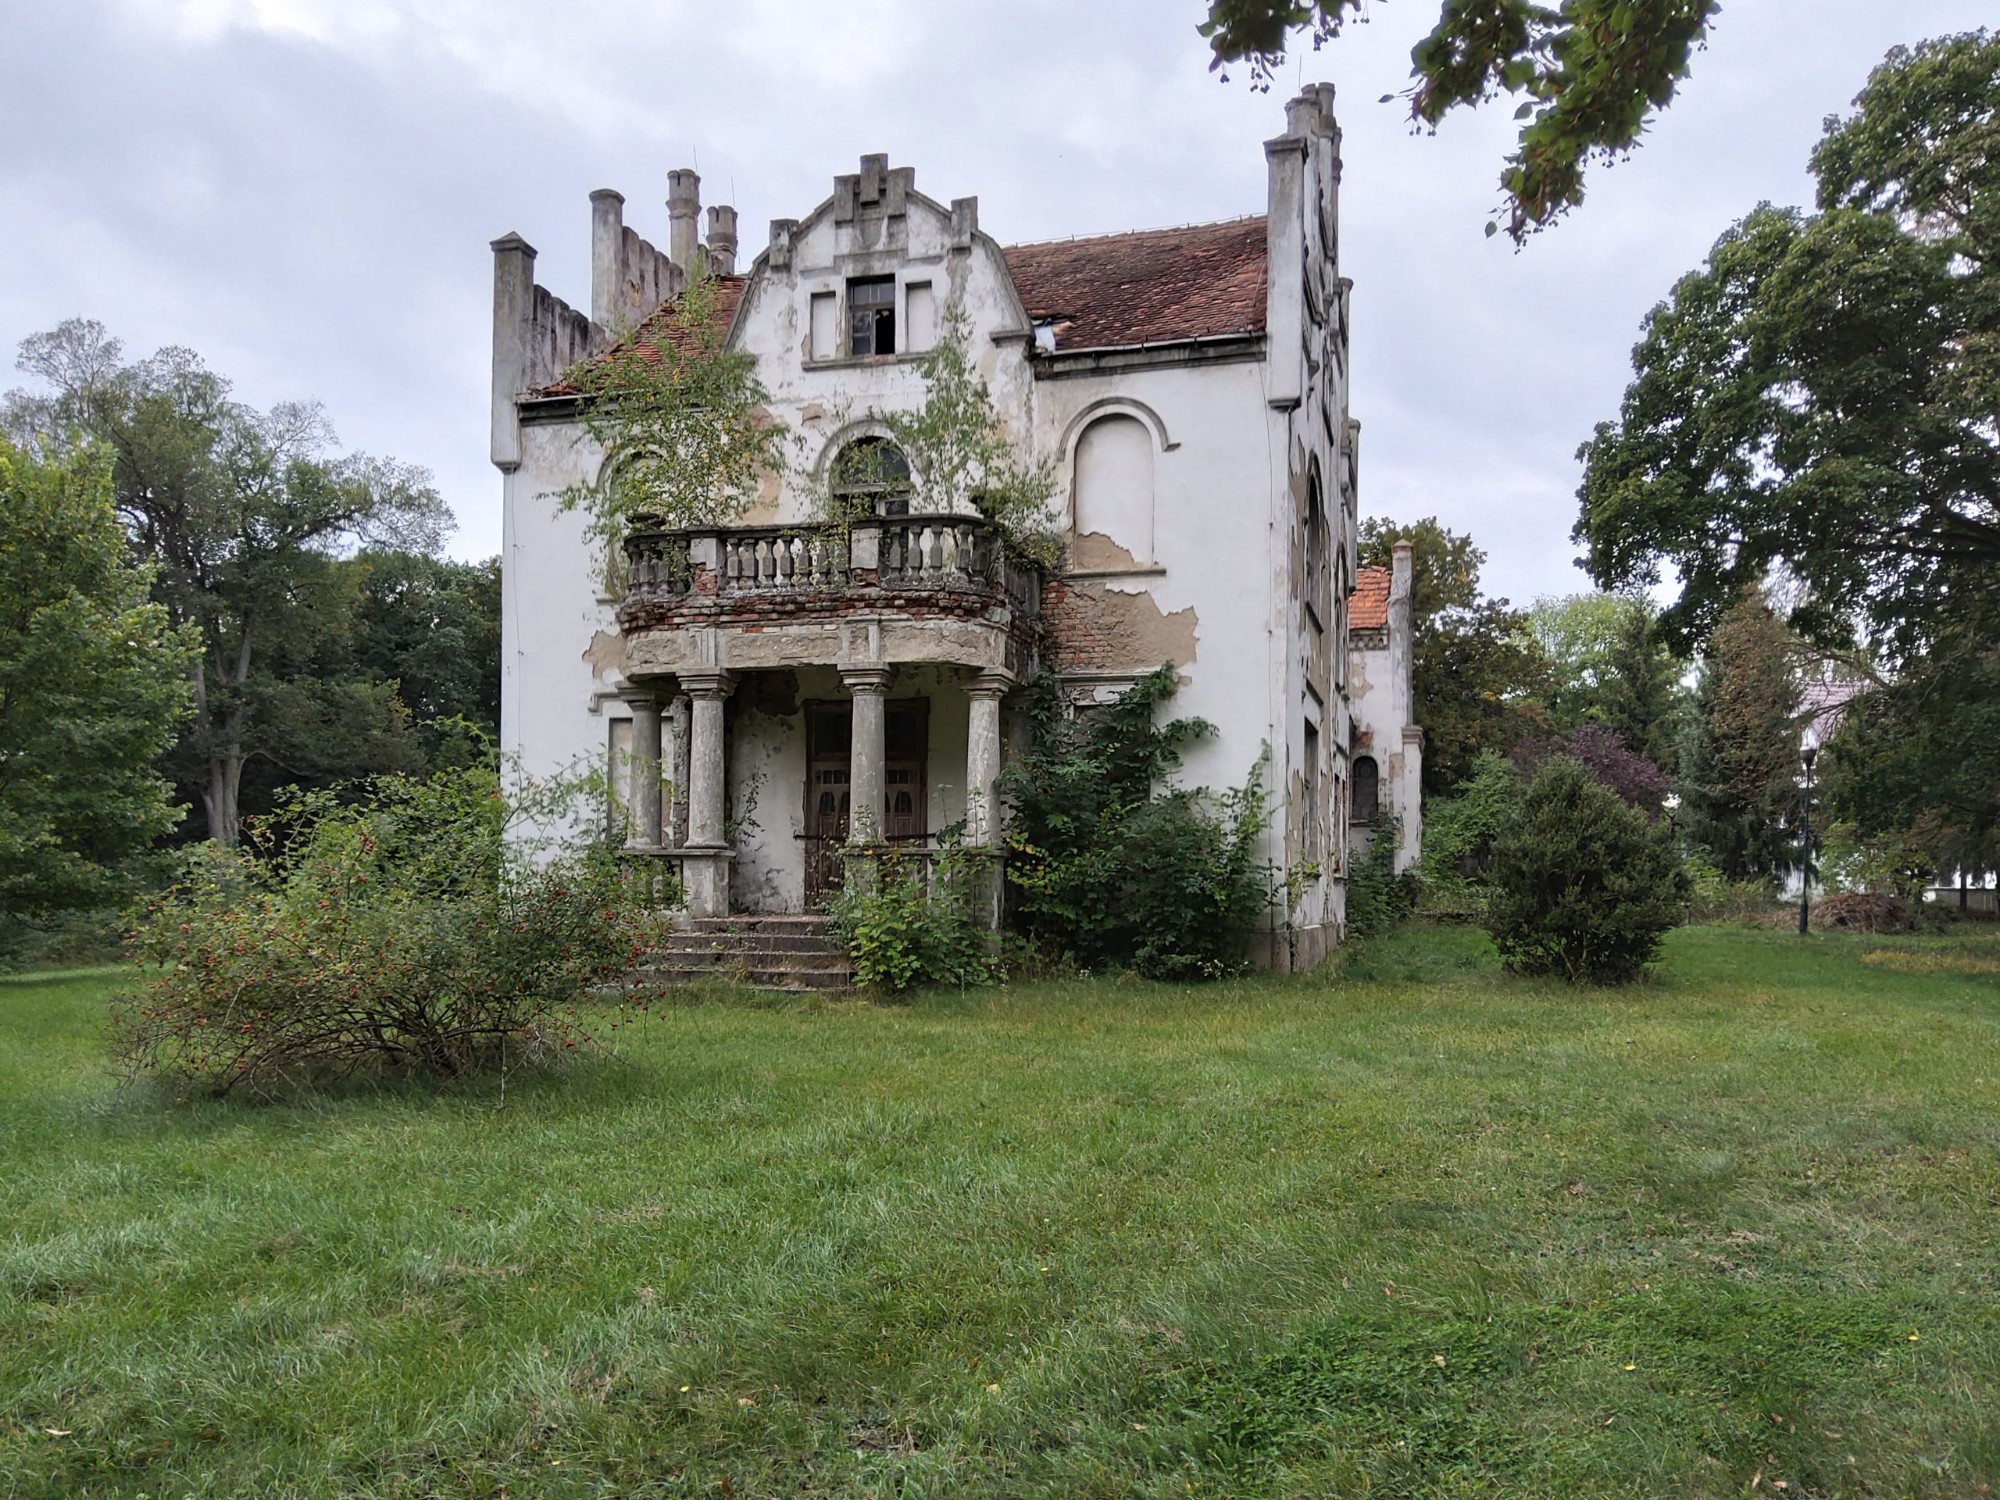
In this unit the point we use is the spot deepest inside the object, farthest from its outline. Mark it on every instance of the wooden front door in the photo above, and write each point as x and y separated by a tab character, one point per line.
829	773
906	735
829	733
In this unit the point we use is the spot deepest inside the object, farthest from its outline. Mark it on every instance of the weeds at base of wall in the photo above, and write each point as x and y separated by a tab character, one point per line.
910	922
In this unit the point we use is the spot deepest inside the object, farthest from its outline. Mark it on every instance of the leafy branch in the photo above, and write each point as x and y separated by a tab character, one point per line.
684	422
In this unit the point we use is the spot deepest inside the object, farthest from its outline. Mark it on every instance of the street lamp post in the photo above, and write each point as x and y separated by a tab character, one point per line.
1808	752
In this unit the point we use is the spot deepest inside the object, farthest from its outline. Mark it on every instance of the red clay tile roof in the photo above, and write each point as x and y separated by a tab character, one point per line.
663	322
1151	286
1368	605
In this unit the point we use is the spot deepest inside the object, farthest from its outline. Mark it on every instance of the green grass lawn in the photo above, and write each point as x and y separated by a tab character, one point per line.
1408	1228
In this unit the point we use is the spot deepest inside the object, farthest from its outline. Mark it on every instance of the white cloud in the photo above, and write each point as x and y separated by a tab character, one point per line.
304	190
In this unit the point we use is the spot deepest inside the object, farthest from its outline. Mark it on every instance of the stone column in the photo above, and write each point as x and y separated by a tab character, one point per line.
869	686
982	794
706	867
982	758
674	734
642	802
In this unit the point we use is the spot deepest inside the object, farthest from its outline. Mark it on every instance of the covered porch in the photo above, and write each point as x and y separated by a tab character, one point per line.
806	699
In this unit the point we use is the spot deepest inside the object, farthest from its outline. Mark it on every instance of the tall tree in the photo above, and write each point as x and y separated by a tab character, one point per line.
1608	668
432	626
93	685
1477	675
1824	395
241	513
1739	783
1918	759
1590	74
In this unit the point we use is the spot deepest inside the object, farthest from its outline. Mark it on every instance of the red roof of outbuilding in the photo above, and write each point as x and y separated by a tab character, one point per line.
1368	605
1149	286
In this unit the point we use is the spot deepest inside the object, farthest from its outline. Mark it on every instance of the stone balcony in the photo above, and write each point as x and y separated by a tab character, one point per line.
902	590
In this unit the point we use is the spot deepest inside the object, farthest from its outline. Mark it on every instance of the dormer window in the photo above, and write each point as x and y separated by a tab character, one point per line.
871	316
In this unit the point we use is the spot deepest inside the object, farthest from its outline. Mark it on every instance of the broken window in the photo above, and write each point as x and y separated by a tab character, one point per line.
1312	586
871	315
871	478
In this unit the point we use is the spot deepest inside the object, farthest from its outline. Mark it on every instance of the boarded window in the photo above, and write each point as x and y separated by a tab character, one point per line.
1114	494
825	326
919	317
1367	789
871	316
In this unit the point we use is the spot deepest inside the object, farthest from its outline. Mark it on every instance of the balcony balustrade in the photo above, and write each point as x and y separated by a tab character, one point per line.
870	558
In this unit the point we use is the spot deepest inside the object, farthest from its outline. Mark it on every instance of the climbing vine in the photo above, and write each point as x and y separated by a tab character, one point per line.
961	455
684	422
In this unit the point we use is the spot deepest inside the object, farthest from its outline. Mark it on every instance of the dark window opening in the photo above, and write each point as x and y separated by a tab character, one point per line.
1315	814
1367	789
1313	584
871	477
871	315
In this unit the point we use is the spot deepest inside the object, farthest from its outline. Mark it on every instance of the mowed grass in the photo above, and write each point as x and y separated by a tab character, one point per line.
1406	1228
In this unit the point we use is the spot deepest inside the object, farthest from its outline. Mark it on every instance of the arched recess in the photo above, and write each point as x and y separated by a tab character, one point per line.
1367	790
1111	494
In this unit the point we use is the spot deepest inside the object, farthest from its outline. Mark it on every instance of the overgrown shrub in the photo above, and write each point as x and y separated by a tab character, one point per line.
915	923
1714	897
1110	866
1459	832
1584	887
389	928
1377	897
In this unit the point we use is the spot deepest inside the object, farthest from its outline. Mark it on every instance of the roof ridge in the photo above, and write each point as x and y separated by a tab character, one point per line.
1127	234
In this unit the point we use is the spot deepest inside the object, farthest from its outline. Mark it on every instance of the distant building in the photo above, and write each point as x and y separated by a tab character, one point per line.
1386	769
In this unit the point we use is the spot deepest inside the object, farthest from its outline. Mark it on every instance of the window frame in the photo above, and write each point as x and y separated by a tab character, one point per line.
880	314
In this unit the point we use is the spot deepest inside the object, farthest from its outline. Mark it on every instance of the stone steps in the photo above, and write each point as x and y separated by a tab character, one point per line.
800	954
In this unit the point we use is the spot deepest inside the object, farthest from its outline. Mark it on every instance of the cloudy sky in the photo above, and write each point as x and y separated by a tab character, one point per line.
303	191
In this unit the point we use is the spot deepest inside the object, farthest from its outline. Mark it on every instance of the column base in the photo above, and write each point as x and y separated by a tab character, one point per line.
705	873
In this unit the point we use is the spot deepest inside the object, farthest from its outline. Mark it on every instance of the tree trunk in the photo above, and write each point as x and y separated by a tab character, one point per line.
218	797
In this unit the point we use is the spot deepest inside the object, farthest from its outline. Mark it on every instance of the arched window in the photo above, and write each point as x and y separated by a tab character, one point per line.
871	477
1367	788
1113	494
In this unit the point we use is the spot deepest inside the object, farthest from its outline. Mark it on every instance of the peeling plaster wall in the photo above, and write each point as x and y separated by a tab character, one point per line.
560	652
1203	603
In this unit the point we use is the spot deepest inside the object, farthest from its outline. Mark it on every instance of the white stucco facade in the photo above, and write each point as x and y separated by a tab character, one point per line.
1205	467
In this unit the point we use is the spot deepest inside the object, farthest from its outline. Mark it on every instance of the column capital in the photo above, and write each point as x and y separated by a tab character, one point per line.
710	682
640	695
992	683
870	679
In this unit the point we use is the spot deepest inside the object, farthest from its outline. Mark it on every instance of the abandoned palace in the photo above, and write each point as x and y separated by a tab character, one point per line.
772	700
